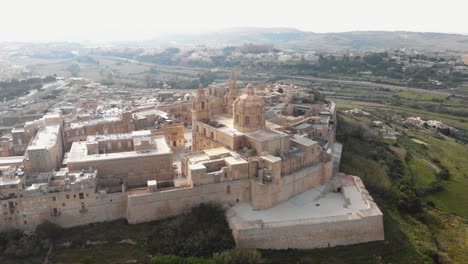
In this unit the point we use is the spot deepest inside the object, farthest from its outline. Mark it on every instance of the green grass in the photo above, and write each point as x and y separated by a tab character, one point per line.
452	155
423	175
451	233
420	96
108	253
419	141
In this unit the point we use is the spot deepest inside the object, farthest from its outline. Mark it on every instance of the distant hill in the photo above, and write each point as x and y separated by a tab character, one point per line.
287	38
236	36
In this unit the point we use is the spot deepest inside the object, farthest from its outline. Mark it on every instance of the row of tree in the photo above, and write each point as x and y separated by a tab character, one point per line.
13	88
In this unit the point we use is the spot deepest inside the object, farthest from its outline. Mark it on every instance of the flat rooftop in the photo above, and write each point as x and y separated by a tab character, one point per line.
108	137
263	135
302	126
78	124
259	135
303	141
45	138
9	181
145	113
79	152
306	206
224	119
217	152
6	161
213	154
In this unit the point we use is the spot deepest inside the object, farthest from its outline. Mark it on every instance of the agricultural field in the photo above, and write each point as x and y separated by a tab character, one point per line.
122	72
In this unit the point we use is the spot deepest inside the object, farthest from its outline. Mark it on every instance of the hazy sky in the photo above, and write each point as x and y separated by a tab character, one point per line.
101	20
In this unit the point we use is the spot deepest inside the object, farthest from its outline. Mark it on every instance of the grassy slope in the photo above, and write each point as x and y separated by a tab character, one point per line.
423	175
201	233
455	121
454	156
448	231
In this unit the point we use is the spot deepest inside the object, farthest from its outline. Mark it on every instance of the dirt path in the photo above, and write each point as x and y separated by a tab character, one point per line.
432	165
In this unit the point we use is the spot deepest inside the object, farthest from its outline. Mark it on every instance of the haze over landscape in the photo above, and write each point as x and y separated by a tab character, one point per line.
117	20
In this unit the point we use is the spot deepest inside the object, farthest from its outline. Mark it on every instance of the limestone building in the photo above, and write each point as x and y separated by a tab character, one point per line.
272	160
45	151
129	159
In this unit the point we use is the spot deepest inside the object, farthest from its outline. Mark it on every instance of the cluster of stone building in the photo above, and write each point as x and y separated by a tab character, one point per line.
269	154
418	121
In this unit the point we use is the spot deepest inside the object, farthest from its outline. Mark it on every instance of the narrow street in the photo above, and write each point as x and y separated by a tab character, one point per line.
179	153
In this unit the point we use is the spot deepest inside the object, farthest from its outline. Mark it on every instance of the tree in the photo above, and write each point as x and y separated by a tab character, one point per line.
170	259
238	256
49	230
200	233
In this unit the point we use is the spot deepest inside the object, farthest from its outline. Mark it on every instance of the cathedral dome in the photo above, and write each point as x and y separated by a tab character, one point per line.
249	99
249	111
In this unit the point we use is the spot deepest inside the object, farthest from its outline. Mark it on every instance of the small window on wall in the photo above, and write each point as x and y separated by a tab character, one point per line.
247	120
228	189
81	196
203	106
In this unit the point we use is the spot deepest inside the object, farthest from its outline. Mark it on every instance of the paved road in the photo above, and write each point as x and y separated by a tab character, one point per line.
179	153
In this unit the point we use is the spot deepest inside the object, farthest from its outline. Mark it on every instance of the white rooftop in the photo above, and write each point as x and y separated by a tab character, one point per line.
305	206
79	152
141	133
93	122
9	181
6	161
46	137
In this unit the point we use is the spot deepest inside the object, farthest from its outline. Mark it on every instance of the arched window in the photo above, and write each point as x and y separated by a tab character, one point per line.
203	106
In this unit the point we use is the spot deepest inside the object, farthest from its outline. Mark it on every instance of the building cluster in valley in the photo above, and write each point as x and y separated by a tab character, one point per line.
267	153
